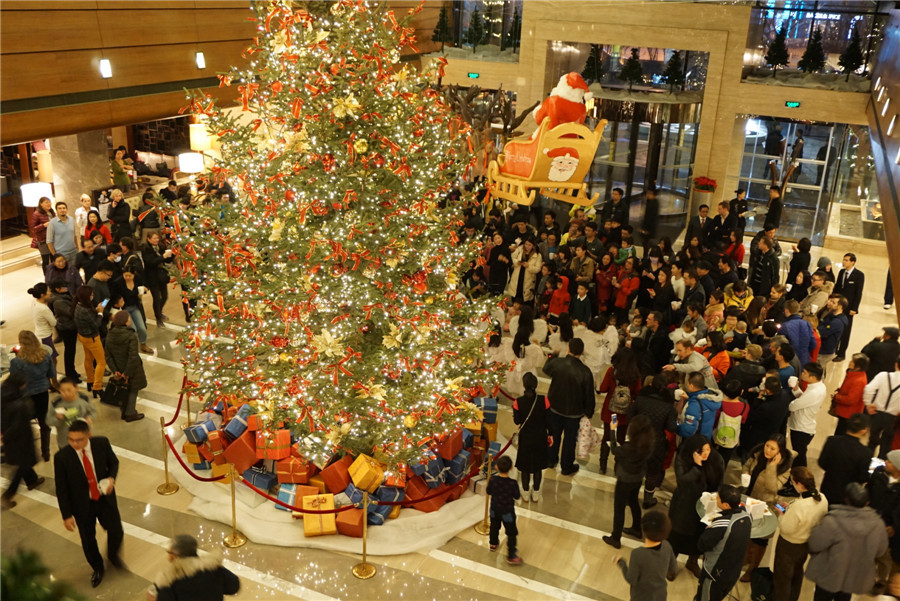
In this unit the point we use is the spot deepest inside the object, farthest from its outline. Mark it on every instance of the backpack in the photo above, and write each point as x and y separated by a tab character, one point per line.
728	430
620	400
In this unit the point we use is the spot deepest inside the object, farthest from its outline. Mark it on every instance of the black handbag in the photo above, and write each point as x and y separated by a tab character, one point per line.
115	393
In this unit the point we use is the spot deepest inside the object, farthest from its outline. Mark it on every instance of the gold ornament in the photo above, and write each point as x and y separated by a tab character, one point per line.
277	228
429	300
410	421
284	357
361	146
344	107
392	339
327	344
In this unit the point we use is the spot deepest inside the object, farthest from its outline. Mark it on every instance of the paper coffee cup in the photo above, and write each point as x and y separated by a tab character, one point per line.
745	480
792	381
814	308
676	304
788	287
142	290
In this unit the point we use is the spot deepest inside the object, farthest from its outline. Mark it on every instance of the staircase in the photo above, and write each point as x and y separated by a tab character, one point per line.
16	253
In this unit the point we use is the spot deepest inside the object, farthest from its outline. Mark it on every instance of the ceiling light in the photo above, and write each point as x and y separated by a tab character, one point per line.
201	60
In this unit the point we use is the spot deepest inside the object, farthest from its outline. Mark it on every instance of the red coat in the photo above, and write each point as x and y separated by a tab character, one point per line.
90	230
848	399
629	285
559	300
608	386
604	286
559	110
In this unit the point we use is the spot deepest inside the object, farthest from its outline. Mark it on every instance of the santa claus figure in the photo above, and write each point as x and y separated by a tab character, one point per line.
566	103
563	164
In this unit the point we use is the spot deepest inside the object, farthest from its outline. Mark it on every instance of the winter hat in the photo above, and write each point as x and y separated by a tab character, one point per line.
561	152
184	545
576	82
823	262
892	332
894	458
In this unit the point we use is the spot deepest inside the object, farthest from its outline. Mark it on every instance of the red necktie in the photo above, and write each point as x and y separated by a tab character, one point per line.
92	479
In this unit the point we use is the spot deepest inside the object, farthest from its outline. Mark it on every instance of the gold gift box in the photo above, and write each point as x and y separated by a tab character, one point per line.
319	524
366	473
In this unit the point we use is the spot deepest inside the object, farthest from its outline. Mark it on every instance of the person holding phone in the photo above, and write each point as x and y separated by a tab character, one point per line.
796	523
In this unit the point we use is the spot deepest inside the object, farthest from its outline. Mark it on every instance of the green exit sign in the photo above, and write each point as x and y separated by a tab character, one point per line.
474	75
792	104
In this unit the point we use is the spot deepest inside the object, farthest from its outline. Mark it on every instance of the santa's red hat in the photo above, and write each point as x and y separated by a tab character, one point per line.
576	82
561	152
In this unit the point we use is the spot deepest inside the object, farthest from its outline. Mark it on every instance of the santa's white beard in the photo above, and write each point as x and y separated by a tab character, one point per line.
560	175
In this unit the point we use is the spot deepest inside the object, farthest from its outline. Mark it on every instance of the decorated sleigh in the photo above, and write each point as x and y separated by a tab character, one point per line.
555	161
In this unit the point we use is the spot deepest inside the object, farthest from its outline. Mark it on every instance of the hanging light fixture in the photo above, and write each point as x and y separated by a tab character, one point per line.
33	192
190	162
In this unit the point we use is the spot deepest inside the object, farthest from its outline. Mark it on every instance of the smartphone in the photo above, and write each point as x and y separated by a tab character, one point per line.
615	419
104	303
780	507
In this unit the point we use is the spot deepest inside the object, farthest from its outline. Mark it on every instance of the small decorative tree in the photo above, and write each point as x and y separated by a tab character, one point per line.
674	73
632	71
852	57
476	33
813	58
593	68
514	34
442	31
777	54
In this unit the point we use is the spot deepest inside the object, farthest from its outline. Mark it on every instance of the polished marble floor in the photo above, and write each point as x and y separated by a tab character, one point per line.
559	537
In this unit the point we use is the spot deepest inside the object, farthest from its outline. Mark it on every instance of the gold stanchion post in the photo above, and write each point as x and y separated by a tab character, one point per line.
187	405
235	539
484	526
167	487
364	570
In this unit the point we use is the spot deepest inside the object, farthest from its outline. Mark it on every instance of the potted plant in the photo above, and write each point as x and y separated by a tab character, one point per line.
704	184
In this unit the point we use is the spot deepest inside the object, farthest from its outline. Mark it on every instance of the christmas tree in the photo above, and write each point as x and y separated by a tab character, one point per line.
632	71
442	31
777	54
327	293
476	34
593	68
813	58
514	34
674	73
851	58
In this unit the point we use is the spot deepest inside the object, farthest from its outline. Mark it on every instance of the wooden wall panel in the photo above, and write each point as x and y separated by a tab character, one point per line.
55	30
46	5
49	73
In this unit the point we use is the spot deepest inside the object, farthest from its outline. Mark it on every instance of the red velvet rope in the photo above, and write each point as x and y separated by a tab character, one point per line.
299	509
186	468
180	399
506	394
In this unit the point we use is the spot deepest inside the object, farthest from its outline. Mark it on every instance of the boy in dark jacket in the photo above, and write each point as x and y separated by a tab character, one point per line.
723	544
504	491
191	577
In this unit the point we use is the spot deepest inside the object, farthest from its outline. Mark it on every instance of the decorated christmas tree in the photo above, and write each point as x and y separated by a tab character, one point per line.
327	292
593	67
442	31
674	73
632	71
851	58
813	58
777	54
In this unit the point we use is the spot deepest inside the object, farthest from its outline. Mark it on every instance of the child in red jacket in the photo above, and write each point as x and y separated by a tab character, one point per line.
848	399
559	301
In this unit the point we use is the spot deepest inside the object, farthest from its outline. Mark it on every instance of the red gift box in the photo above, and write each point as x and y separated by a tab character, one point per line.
228	413
397	478
417	489
293	470
456	491
451	447
242	452
254	423
273	445
350	522
217	444
205	452
337	475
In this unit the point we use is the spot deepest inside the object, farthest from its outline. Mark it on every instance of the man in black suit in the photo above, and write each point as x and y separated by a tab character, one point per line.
776	207
85	474
850	283
699	226
845	459
659	345
722	225
882	352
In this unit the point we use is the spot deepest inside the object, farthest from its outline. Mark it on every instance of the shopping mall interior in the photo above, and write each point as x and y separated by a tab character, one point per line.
80	78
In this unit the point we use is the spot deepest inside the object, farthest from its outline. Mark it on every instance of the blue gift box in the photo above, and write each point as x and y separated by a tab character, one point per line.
218	407
287	493
238	424
488	406
468	439
198	431
203	465
260	479
354	494
458	467
432	470
377	514
390	494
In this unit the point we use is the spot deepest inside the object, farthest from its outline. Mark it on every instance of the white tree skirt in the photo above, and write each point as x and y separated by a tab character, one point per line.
412	531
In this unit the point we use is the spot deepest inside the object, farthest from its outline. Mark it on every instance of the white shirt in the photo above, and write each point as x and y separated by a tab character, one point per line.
90	455
805	407
44	320
878	390
81	221
678	287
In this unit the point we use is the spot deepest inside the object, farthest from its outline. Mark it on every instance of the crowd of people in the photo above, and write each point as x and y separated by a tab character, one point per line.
708	363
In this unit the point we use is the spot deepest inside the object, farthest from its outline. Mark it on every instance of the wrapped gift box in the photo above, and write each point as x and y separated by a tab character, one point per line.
494	449
458	467
354	494
342	500
449	448
431	469
490	431
488	406
468	439
238	424
416	489
204	450
366	473
273	445
254	423
203	465
292	494
456	491
378	514
395	512
191	452
319	484
219	406
217	443
242	452
260	479
228	414
322	523
390	494
396	478
198	431
478	484
474	426
292	470
222	470
337	475
350	522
